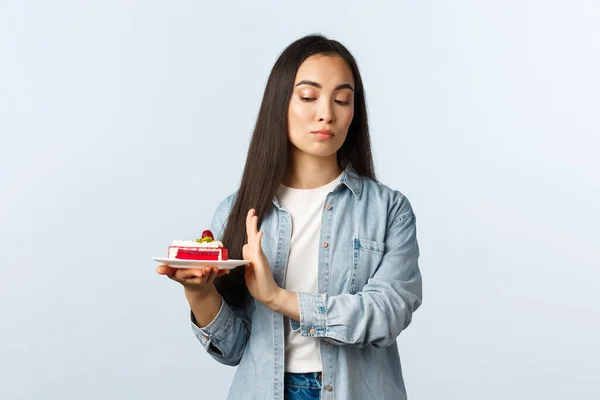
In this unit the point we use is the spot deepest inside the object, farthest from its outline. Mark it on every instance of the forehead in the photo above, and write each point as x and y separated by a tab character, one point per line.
328	70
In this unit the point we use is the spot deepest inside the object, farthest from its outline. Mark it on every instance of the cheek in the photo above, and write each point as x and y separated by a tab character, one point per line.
346	118
296	123
344	121
299	114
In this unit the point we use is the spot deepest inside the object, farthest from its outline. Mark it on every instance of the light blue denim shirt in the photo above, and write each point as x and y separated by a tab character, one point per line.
369	286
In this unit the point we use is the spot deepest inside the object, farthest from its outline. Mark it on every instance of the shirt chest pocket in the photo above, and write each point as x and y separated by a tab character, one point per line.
367	255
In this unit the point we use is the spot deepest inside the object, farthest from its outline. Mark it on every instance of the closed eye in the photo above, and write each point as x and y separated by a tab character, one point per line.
339	102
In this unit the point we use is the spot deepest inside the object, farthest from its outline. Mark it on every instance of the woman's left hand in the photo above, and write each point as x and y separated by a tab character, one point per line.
258	274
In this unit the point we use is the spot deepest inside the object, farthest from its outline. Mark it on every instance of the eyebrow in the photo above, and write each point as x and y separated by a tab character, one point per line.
317	85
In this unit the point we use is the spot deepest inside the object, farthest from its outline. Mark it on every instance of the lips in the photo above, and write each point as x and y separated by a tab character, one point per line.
323	134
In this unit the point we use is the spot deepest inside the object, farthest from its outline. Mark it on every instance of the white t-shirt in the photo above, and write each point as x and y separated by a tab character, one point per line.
305	206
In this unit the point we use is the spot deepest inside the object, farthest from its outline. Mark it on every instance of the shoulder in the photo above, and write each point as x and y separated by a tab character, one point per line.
221	214
226	204
395	203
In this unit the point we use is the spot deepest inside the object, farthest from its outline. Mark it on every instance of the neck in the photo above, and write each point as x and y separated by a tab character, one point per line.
309	172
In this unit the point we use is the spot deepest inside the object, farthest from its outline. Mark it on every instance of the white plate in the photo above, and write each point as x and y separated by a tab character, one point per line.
176	263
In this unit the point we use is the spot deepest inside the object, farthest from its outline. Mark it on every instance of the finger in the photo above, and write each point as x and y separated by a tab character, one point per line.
165	270
248	226
205	270
253	224
254	227
248	216
213	274
194	281
223	272
197	277
190	273
168	271
208	269
259	236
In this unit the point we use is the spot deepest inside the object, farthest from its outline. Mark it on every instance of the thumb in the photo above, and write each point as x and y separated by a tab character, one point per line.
165	270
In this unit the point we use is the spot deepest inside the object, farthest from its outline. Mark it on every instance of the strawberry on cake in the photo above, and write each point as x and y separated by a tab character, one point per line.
206	249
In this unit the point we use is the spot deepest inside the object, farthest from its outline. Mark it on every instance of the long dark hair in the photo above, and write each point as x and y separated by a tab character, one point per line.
269	150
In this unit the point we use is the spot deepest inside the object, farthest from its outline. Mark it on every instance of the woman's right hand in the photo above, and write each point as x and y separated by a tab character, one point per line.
197	280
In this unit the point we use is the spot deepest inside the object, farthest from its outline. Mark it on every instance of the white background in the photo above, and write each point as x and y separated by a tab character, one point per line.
124	123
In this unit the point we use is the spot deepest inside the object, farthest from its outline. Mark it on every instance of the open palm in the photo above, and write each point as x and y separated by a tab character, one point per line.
258	274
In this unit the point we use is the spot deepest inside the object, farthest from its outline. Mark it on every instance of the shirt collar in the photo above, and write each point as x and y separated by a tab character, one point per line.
350	178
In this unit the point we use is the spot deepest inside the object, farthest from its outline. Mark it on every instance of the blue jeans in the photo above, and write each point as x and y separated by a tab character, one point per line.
305	386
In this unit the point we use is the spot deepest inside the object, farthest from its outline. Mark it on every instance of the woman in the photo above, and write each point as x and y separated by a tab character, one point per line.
334	274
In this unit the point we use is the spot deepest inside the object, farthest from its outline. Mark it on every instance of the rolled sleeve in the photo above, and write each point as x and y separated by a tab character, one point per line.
212	330
224	337
313	313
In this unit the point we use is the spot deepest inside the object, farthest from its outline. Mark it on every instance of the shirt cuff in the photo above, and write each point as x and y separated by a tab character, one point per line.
217	329
313	313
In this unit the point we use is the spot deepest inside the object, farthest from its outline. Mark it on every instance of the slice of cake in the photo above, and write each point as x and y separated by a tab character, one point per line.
206	249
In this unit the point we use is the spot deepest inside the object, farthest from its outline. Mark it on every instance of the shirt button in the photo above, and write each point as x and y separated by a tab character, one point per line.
329	206
328	388
325	244
312	331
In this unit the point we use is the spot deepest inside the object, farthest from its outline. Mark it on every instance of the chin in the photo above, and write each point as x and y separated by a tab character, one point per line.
322	152
318	149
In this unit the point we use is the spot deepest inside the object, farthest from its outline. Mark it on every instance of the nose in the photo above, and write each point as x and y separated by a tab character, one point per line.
325	112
